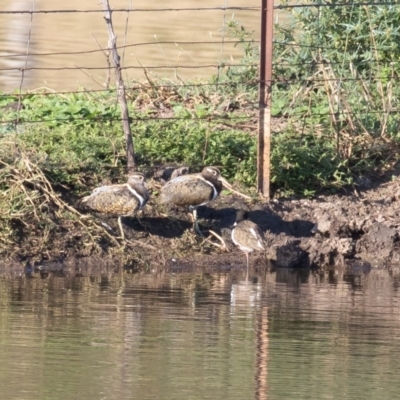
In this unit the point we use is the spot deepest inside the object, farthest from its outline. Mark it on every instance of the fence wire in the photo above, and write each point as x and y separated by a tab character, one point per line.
340	81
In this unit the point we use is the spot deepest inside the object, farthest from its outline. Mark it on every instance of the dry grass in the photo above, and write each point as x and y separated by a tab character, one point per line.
40	220
34	215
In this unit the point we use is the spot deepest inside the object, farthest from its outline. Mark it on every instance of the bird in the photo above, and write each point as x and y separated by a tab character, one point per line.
179	172
193	190
124	200
166	174
247	236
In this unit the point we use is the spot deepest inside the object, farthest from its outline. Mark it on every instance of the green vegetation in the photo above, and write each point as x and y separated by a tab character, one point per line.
336	70
334	109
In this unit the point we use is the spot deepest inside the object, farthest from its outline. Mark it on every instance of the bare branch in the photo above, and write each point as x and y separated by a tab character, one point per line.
112	47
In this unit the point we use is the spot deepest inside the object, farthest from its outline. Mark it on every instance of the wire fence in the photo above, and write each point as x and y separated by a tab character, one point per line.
335	69
27	65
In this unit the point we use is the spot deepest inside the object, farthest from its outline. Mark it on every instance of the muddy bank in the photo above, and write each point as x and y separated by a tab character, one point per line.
357	228
360	228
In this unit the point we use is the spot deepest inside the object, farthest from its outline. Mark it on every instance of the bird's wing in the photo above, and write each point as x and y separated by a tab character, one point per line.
258	236
187	190
249	234
112	200
108	189
182	179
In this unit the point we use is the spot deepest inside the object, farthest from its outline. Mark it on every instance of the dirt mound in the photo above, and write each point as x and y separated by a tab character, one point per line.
333	230
326	231
329	230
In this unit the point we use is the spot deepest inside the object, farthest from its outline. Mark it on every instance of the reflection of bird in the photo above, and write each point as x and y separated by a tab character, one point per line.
194	190
124	200
247	236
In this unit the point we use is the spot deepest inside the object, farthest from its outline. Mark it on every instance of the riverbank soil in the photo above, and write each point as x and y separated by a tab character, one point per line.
360	226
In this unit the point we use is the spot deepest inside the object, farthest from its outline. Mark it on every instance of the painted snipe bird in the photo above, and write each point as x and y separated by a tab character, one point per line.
124	200
179	172
247	236
166	174
194	190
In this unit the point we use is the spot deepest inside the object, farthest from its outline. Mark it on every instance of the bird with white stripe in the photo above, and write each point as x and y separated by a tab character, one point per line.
194	190
247	236
124	200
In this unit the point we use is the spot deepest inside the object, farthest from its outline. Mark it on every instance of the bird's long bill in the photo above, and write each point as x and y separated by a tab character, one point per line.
225	183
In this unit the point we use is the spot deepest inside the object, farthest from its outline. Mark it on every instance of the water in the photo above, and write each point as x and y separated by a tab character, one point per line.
80	32
286	335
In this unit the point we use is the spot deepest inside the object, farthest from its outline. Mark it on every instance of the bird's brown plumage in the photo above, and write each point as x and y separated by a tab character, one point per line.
122	200
168	173
193	189
247	236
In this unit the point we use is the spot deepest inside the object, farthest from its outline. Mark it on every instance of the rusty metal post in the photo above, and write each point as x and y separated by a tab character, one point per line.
265	91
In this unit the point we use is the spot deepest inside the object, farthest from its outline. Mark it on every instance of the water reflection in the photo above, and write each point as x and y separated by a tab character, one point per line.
286	334
15	38
82	32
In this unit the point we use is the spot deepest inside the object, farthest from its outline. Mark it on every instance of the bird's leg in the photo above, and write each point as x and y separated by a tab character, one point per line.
120	227
190	213
196	224
139	219
247	262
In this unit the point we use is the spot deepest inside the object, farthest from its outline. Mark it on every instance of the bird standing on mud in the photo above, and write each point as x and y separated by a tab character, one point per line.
124	200
247	236
194	190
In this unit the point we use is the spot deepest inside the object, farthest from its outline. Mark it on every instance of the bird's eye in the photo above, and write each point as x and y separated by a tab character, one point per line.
212	171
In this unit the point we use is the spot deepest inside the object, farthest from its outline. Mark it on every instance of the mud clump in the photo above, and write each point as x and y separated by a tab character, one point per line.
378	245
346	228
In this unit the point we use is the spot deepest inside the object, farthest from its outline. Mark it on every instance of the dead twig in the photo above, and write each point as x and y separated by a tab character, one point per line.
221	246
112	47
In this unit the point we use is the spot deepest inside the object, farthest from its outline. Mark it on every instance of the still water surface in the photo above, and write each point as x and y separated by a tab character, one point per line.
285	335
45	36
